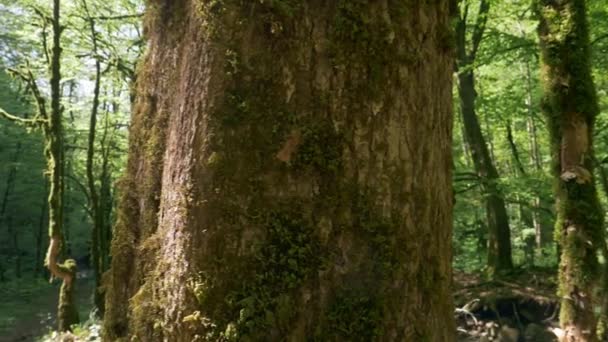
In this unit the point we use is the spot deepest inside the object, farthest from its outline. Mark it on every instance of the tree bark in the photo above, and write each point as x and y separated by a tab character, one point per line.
499	233
570	105
53	131
289	175
40	233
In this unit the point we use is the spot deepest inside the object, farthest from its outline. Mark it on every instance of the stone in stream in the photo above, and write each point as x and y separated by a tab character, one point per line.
508	334
538	333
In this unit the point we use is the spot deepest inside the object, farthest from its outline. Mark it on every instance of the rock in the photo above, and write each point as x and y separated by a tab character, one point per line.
538	333
508	334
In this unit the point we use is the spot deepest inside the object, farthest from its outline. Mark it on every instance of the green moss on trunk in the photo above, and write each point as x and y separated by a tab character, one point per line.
283	199
67	309
570	105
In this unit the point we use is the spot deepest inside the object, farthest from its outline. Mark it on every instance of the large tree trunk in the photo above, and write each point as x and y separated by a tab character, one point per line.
289	175
499	232
570	105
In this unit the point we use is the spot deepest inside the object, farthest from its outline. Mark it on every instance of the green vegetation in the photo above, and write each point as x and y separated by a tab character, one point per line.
530	83
47	97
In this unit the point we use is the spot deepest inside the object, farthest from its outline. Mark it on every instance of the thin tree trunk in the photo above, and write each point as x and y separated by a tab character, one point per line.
51	125
570	105
525	215
105	192
97	215
67	169
289	175
7	218
67	313
490	140
519	166
541	237
66	249
465	145
40	233
15	243
499	234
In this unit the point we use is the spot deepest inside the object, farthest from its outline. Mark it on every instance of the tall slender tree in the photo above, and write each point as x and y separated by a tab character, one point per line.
97	214
289	175
570	105
51	125
499	233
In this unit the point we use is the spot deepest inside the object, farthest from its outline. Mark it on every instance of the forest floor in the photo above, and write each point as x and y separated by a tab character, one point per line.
28	308
519	307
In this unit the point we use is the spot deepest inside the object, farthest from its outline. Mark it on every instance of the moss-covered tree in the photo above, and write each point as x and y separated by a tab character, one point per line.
289	175
50	122
570	105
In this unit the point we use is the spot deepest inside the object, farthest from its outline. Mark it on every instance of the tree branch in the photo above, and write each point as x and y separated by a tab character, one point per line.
82	187
480	26
19	120
505	50
28	77
597	39
118	17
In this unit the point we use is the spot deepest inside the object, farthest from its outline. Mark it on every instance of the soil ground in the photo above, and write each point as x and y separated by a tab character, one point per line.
27	315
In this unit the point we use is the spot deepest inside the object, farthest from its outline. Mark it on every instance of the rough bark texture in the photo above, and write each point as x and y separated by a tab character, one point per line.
499	232
289	175
570	105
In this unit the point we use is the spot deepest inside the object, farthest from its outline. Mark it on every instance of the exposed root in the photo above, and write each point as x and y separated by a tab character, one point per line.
501	310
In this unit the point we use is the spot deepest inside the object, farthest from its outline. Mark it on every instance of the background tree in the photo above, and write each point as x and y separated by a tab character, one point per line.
507	106
49	120
25	46
499	233
571	107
